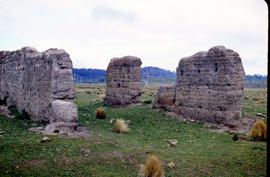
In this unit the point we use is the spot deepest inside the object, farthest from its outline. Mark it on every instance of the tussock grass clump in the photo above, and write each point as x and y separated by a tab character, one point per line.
261	101
246	98
152	168
100	113
235	137
259	132
87	92
102	97
120	126
99	93
150	94
256	99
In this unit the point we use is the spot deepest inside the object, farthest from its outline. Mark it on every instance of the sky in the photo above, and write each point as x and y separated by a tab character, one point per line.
159	32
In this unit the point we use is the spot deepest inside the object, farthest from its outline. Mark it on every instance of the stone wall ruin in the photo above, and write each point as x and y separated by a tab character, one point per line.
209	87
123	80
41	84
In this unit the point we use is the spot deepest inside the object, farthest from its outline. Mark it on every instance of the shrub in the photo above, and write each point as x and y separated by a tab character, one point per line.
100	113
120	126
13	110
147	101
153	167
23	116
235	137
259	131
56	131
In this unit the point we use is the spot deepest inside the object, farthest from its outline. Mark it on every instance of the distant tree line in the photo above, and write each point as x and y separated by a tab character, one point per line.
88	76
152	76
93	76
256	81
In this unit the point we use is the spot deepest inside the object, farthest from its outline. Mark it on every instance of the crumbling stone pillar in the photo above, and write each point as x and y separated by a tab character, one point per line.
123	80
41	84
209	87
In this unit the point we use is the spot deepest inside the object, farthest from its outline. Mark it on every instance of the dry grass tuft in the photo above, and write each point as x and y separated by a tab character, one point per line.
120	126
246	98
87	92
261	101
102	97
256	99
99	92
259	131
100	113
141	170
153	167
150	94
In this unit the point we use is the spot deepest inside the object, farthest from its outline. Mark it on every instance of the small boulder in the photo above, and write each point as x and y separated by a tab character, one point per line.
173	143
171	165
128	122
111	121
192	121
260	114
45	139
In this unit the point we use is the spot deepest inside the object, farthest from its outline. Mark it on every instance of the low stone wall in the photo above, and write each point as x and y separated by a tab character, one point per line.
209	87
39	83
123	80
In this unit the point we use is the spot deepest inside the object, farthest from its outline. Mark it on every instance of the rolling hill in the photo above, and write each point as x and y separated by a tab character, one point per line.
152	76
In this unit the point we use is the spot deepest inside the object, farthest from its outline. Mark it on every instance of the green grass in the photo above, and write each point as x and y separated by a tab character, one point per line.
111	154
255	101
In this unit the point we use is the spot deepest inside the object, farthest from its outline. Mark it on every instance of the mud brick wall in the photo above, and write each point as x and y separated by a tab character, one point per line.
40	83
123	80
209	87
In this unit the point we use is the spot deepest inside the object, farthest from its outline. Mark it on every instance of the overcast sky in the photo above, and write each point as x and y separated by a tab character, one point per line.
160	32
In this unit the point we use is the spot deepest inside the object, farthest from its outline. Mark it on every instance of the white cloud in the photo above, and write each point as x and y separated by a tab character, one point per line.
103	12
159	32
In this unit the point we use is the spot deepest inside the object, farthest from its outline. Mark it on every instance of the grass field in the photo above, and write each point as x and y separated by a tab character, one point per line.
199	152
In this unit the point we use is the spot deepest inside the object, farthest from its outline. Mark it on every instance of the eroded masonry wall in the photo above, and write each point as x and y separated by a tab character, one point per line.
209	87
40	83
123	80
